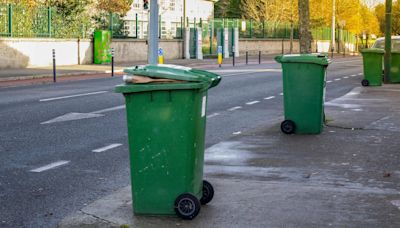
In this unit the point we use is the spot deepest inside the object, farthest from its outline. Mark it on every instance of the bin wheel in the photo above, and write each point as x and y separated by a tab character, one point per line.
288	127
187	206
208	193
365	82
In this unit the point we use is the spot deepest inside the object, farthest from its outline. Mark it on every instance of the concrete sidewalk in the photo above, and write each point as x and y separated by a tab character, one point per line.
348	176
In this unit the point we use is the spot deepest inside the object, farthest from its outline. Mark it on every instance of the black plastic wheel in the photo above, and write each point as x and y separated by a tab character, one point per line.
288	127
187	206
365	82
208	193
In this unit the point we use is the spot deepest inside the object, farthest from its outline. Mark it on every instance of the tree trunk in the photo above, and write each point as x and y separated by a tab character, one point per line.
304	27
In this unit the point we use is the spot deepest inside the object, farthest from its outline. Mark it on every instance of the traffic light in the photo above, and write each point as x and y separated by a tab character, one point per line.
146	4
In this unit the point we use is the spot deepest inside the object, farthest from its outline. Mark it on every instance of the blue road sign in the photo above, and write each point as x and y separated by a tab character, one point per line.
219	50
160	51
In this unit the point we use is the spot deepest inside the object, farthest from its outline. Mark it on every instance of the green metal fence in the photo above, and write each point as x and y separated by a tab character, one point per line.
21	21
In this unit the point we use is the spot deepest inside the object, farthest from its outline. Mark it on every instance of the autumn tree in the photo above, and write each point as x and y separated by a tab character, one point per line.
304	26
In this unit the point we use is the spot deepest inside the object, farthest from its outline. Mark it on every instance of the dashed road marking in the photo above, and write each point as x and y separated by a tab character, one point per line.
353	75
337	79
50	166
269	98
237	133
235	108
109	147
346	77
213	115
328	81
281	94
72	96
360	73
252	102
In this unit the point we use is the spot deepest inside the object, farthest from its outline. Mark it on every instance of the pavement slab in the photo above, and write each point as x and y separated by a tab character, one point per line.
348	176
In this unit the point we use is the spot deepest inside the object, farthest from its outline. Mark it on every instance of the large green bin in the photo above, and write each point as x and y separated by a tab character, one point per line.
373	60
304	79
102	45
166	131
395	67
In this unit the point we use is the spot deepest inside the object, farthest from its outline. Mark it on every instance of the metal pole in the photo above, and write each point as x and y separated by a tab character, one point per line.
333	27
112	62
54	66
388	41
136	22
159	27
247	57
10	9
259	57
49	21
153	30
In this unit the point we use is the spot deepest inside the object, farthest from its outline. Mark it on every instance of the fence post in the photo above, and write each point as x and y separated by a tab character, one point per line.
111	24
136	26
251	29
263	26
159	26
10	9
49	21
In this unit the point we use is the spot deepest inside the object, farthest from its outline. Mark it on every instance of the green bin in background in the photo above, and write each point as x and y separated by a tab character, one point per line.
304	84
373	63
102	46
395	67
166	132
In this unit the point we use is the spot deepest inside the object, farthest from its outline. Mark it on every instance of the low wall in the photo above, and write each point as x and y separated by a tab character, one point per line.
36	52
24	52
130	50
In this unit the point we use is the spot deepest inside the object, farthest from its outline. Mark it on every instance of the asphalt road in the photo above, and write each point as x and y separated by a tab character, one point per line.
63	146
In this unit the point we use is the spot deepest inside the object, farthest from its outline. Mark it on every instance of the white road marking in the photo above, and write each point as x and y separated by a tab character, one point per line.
252	102
281	94
50	166
235	108
346	77
109	147
213	115
269	98
109	109
237	133
360	73
78	116
71	96
328	81
353	75
337	79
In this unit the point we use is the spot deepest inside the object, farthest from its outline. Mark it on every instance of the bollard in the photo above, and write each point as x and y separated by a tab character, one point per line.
259	57
247	57
219	51
54	66
112	62
233	62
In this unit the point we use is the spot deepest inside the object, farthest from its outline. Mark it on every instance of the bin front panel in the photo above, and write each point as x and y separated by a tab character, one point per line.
166	140
303	86
373	68
395	68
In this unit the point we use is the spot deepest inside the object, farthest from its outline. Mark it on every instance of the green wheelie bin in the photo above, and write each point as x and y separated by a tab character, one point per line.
373	63
304	84
395	67
101	46
166	116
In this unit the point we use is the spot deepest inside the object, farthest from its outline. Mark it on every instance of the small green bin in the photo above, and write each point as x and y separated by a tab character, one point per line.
166	132
395	67
304	84
373	63
102	45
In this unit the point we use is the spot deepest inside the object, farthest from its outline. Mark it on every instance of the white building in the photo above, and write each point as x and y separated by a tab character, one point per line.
172	14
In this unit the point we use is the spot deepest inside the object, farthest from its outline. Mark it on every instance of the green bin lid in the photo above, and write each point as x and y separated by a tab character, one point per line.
319	59
373	50
171	72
